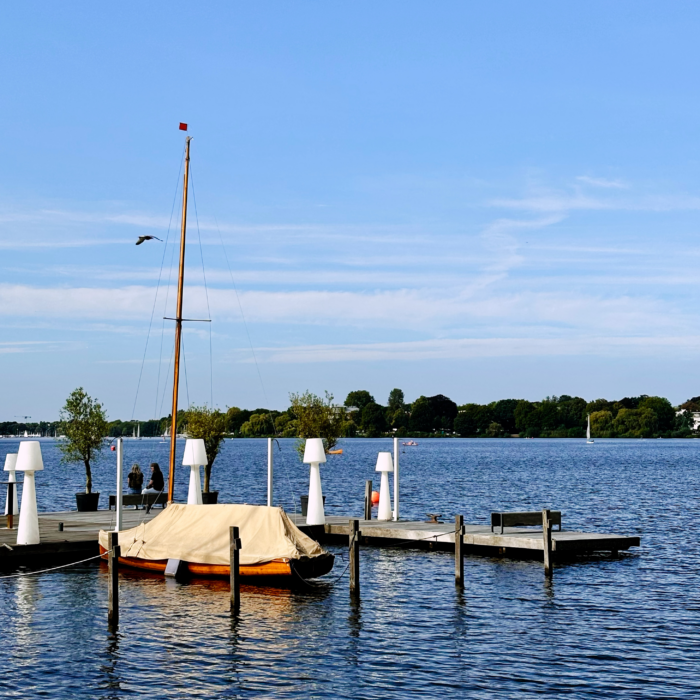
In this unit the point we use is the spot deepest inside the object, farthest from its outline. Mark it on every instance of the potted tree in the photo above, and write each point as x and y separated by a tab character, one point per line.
317	418
84	424
209	425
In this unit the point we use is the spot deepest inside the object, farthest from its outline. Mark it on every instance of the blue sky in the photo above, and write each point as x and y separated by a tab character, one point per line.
482	200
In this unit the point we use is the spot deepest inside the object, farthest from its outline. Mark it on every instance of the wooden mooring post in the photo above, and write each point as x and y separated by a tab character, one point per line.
113	580
547	542
368	499
235	544
11	504
459	551
355	557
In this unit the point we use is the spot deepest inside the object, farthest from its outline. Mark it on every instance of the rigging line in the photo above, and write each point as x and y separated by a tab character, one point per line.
167	291
162	331
155	298
165	384
206	293
240	306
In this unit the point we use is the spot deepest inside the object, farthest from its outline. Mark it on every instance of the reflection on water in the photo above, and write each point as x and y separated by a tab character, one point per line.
601	628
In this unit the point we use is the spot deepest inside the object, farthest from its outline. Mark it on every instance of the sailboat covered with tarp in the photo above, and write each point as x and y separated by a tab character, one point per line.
271	544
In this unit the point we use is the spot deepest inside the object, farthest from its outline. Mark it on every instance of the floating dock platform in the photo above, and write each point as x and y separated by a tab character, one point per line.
478	539
78	539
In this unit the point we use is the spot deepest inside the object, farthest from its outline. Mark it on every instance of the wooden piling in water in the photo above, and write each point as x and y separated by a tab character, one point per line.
235	547
368	499
11	506
354	557
113	581
547	543
459	551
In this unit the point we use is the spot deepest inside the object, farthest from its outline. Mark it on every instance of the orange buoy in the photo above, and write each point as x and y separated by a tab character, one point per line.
375	497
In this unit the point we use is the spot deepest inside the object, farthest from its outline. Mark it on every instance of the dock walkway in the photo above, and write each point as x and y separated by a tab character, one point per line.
477	538
78	539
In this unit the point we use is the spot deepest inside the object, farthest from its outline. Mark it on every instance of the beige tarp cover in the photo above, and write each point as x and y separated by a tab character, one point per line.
200	534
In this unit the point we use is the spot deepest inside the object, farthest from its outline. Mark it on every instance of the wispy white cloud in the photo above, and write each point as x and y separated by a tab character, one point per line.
23	346
469	348
602	182
422	310
575	199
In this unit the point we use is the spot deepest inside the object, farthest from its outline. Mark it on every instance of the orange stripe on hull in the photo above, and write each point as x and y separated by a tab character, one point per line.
276	567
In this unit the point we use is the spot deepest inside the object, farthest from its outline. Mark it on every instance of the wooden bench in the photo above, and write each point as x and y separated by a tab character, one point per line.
147	500
520	519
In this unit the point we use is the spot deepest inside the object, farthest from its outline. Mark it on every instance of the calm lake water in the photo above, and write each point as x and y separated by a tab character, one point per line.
603	628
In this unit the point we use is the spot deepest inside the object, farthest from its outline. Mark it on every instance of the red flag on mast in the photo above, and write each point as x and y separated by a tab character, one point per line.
183	126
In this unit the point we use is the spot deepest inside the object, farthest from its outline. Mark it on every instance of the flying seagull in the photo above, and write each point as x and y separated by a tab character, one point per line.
147	238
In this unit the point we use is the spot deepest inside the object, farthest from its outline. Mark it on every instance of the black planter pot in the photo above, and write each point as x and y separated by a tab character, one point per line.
305	504
87	501
210	498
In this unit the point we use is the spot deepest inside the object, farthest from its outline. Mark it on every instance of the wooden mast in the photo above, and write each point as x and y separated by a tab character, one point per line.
178	325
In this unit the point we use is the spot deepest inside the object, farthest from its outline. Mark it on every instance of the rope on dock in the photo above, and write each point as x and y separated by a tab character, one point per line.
56	568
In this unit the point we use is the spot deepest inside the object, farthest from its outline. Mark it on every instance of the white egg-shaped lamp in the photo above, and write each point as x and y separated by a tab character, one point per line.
29	461
195	457
314	454
10	465
384	465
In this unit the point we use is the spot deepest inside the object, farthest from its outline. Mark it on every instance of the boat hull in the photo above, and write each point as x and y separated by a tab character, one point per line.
276	569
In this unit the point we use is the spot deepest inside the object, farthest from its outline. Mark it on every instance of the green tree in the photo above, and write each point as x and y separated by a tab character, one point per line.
504	413
572	411
235	417
494	430
599	405
259	425
373	420
473	419
602	424
648	422
523	415
84	423
396	400
692	405
398	418
317	418
359	399
209	425
421	420
665	413
444	412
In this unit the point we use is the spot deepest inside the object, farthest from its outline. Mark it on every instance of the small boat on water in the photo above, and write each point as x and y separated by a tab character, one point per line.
272	546
588	431
335	452
410	443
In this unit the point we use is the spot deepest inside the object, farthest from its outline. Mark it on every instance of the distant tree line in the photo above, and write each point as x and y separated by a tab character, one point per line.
361	415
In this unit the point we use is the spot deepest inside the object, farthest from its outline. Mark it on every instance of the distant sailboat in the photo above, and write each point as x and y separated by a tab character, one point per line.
588	431
138	431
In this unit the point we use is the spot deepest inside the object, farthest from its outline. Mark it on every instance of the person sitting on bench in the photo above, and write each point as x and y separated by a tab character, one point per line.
135	480
157	482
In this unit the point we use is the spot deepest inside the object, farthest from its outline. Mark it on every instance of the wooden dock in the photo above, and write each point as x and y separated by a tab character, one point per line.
78	539
478	539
